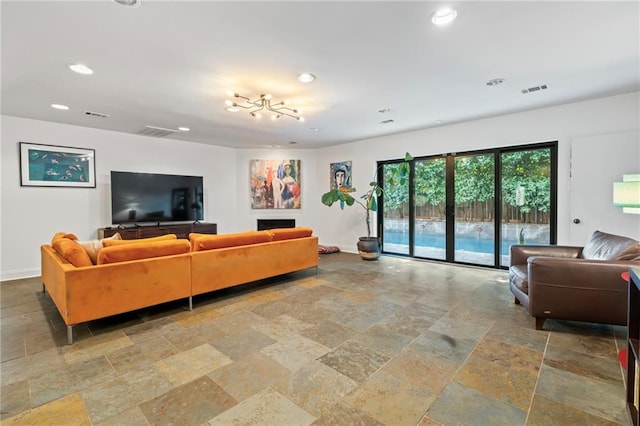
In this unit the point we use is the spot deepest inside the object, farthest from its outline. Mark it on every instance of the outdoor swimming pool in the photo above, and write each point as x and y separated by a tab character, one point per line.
437	241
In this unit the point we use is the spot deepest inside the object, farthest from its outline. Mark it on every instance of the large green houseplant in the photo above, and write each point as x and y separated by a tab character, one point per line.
368	247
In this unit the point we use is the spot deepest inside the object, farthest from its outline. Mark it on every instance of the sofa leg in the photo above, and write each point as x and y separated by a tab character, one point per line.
539	323
190	303
43	288
517	301
316	270
70	334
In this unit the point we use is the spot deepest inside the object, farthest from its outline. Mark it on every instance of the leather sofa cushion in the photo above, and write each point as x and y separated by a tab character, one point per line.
136	251
603	246
280	234
111	243
71	251
518	277
210	242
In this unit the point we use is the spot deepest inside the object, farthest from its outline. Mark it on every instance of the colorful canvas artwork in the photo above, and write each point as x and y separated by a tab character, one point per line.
275	184
340	176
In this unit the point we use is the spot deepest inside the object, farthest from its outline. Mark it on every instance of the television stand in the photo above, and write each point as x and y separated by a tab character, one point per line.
182	230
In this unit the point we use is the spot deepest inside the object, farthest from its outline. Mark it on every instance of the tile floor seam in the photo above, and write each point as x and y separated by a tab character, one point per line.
164	337
106	356
618	350
535	387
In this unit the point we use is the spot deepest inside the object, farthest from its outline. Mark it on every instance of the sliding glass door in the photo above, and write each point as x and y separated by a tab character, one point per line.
471	207
528	201
430	191
474	194
395	213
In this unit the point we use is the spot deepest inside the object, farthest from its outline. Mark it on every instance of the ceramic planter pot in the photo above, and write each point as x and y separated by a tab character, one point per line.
369	248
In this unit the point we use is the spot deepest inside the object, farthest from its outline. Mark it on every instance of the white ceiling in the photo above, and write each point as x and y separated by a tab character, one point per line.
170	63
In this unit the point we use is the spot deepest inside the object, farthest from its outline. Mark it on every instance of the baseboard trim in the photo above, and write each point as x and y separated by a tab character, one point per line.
18	274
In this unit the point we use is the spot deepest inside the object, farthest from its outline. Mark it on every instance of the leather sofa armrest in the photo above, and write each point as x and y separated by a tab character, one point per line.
521	252
577	290
575	273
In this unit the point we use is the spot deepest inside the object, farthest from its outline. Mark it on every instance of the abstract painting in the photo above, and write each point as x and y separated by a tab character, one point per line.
275	184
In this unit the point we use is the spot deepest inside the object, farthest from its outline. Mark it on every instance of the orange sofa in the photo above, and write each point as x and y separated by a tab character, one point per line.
134	274
220	261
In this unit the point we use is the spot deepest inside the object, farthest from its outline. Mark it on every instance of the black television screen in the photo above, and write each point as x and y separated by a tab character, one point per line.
152	197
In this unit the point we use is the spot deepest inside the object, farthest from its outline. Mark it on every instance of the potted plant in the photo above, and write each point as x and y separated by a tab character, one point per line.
368	247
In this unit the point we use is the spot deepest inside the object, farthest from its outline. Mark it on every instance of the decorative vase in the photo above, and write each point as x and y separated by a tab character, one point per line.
369	248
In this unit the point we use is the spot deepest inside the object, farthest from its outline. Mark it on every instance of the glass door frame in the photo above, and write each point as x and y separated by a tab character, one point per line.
450	199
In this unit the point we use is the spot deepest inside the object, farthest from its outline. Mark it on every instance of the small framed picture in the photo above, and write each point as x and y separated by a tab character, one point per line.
340	176
50	165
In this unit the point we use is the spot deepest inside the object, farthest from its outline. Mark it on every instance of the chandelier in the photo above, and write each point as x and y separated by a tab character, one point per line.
262	104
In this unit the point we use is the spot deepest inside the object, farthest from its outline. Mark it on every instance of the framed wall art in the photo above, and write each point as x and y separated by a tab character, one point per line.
51	165
275	184
340	176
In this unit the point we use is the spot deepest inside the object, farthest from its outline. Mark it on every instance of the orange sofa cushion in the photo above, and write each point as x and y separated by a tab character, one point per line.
59	235
111	243
71	251
211	242
280	234
125	252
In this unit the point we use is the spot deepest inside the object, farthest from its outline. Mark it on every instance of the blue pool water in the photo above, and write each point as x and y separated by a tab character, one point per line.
476	245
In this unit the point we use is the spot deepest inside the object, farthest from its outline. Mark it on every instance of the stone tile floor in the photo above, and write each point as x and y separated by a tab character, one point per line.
395	342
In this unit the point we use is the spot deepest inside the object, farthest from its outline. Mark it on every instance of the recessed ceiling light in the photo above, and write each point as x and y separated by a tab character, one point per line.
293	142
81	69
60	107
444	16
306	77
130	3
184	129
273	146
314	129
495	81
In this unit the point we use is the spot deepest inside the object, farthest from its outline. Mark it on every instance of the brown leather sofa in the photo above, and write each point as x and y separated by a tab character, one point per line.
574	283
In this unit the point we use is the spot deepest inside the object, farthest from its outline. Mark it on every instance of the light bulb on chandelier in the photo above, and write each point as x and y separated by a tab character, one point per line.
263	103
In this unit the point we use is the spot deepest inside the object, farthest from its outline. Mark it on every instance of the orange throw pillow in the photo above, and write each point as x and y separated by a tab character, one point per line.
72	252
125	252
111	243
280	234
193	238
59	235
211	242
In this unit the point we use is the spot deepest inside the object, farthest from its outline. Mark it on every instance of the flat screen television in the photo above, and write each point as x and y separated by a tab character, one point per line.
151	197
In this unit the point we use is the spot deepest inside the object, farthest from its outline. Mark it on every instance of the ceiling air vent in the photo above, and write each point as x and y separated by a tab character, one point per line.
95	114
535	89
158	132
389	121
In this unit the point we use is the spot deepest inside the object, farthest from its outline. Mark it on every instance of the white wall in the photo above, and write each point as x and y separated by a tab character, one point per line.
31	215
561	123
